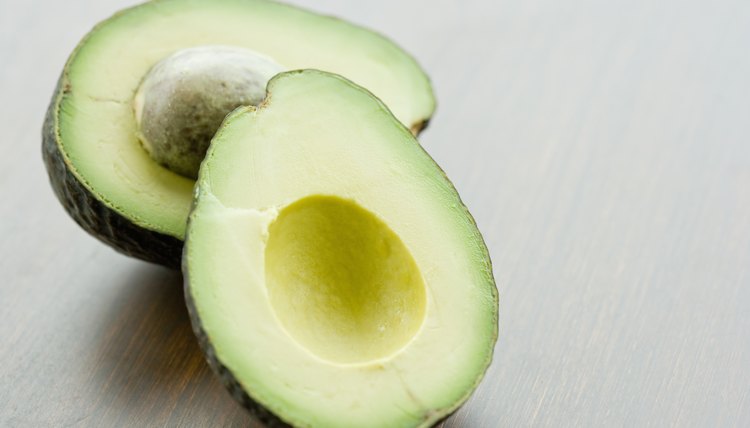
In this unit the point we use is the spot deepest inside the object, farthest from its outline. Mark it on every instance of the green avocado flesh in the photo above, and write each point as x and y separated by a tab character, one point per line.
92	120
334	277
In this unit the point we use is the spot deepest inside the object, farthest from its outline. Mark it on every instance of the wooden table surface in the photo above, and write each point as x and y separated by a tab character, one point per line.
603	147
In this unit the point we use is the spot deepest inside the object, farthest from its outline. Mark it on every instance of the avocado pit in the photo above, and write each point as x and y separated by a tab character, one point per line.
183	99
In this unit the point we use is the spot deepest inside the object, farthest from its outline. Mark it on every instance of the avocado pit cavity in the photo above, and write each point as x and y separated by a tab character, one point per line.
342	282
183	99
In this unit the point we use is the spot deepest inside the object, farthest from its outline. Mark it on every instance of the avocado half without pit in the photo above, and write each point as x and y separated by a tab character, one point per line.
142	95
333	276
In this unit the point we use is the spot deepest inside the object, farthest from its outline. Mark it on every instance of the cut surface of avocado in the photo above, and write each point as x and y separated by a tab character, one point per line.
92	134
333	275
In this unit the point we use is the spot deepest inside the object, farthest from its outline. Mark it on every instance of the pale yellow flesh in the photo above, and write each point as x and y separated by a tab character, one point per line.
341	282
96	119
350	156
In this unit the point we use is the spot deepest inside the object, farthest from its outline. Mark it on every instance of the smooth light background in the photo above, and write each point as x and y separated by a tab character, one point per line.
603	147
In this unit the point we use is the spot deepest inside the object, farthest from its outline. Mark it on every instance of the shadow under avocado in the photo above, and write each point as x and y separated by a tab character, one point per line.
149	370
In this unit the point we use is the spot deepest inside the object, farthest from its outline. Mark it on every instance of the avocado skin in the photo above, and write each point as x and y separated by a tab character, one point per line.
265	416
92	214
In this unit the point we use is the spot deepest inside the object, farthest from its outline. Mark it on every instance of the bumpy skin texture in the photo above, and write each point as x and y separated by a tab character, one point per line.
91	213
227	378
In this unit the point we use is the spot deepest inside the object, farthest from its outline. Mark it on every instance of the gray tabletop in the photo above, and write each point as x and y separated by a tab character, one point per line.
603	148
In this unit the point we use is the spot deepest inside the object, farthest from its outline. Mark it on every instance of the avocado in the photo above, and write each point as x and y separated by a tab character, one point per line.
144	91
333	276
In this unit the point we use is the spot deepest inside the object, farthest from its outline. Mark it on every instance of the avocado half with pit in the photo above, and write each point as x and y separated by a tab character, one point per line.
333	275
143	93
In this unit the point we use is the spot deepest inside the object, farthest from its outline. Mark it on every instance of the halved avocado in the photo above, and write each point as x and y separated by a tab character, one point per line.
97	164
333	275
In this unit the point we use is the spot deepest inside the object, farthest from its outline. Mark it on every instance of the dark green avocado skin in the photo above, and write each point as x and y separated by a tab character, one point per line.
92	214
265	416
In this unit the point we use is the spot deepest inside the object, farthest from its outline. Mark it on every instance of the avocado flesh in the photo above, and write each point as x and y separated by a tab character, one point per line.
333	275
92	124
